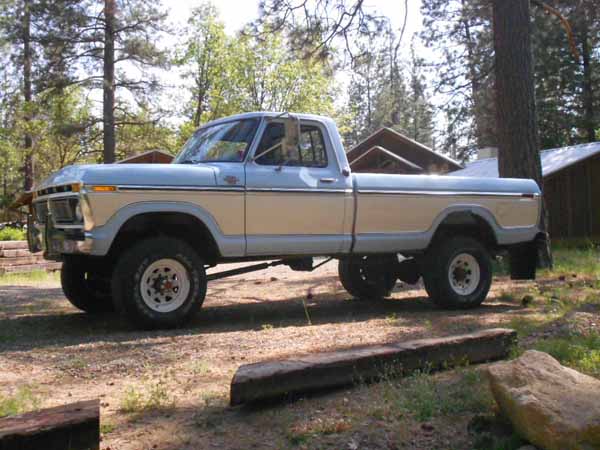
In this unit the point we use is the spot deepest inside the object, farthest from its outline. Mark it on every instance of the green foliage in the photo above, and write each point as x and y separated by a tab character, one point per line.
577	351
425	396
233	74
12	234
152	396
29	278
21	401
383	93
581	261
459	34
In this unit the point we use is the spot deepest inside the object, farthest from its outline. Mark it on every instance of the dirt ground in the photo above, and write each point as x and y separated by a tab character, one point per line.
169	389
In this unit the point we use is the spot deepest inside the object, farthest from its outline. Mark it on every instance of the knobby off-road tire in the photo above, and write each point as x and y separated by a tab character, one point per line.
457	273
83	287
159	283
366	278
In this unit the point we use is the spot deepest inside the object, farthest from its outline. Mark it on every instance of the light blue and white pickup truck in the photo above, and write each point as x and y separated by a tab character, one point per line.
138	238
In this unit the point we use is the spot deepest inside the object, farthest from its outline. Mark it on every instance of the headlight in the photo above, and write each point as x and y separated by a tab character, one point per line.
66	211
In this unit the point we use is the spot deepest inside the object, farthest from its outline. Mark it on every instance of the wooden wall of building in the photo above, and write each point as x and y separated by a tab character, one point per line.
573	200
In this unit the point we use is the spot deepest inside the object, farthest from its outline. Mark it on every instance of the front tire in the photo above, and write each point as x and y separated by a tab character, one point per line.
367	277
159	283
458	273
84	286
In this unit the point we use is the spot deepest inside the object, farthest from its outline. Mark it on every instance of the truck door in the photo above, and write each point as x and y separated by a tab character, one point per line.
297	205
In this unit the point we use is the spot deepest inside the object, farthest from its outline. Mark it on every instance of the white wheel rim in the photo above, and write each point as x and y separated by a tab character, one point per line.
165	285
464	274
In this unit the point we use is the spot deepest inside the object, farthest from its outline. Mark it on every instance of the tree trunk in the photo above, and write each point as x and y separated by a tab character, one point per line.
481	137
518	139
199	106
28	150
109	82
588	92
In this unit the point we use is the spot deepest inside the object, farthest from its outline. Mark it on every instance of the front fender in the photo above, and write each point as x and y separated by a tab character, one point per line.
103	236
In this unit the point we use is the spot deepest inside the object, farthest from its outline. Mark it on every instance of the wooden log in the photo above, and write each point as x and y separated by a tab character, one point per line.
75	427
21	260
276	379
13	253
48	266
13	245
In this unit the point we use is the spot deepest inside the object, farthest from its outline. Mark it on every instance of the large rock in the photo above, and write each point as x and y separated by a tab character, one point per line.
552	406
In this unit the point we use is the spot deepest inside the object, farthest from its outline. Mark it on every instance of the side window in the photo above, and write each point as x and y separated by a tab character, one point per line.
311	153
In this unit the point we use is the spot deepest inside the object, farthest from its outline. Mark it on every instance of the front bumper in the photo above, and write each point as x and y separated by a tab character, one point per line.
55	242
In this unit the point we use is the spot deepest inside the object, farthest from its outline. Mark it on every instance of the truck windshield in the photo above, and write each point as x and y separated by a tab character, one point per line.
226	142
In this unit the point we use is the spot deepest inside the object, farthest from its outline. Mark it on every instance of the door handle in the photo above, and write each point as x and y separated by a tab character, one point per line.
328	180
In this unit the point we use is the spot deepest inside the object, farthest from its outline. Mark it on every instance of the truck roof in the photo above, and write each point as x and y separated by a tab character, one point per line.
260	114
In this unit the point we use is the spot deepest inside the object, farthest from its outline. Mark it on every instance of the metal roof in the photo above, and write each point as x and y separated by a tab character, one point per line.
553	160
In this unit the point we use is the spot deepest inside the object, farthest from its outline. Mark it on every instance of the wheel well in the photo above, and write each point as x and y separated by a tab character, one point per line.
466	223
178	225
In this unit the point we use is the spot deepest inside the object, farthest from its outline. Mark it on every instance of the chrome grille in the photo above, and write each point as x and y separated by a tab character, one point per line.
41	211
63	210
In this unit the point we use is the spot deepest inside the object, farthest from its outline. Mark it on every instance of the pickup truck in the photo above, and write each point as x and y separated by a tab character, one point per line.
138	238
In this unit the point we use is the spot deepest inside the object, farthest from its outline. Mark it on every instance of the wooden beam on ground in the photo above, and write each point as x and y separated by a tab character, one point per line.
75	427
276	379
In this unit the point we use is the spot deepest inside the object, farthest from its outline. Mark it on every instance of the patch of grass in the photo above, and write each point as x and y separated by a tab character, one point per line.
28	278
154	396
487	442
133	401
501	265
524	326
506	296
266	326
425	396
107	428
12	234
569	260
577	351
21	401
200	368
301	432
391	319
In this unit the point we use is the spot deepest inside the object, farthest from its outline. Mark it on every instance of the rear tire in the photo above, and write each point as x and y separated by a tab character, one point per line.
159	283
458	273
83	286
367	277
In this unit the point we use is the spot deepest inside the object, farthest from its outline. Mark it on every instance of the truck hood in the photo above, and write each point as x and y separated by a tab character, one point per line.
133	174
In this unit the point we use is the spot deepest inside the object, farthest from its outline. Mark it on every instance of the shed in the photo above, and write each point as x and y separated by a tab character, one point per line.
388	151
571	188
150	157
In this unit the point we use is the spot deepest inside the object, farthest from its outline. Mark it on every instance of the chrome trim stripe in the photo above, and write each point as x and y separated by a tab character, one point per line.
69	227
179	188
301	190
451	193
41	198
229	189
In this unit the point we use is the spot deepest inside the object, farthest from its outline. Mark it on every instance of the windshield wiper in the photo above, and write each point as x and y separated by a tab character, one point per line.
187	161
